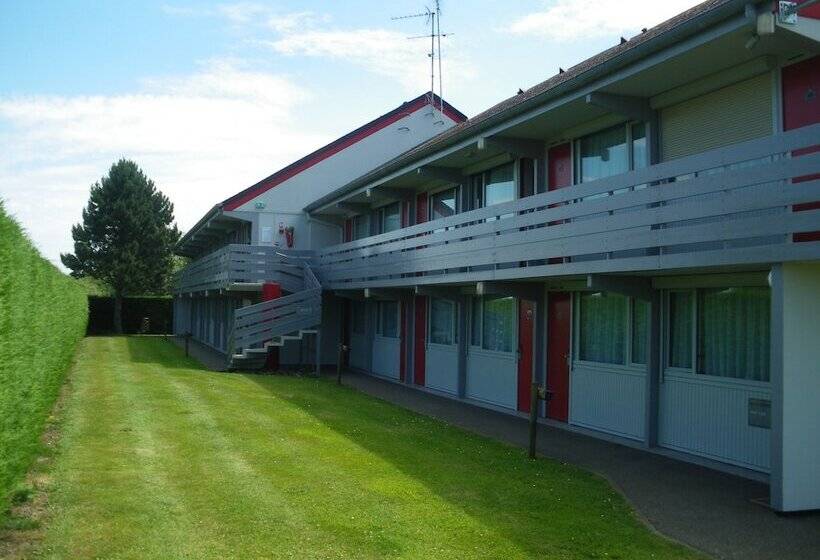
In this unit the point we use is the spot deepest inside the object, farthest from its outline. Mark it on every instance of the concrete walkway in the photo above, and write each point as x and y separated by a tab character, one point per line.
708	510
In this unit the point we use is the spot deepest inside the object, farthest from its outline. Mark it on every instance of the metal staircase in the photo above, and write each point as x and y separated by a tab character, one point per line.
258	327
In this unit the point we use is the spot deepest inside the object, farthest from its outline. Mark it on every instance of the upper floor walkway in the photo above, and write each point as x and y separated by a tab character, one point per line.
751	203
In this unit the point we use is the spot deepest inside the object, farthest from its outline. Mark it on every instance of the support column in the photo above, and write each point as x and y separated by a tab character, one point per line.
795	384
653	370
462	302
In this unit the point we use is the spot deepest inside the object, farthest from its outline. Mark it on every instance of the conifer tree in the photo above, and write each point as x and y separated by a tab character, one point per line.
127	236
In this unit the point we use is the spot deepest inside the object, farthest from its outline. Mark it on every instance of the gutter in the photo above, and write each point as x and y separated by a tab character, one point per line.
666	39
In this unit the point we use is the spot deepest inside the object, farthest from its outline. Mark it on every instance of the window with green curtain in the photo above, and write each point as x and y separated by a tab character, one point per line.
357	311
442	321
361	226
640	330
499	314
500	185
390	218
603	154
680	329
475	321
733	332
603	328
389	319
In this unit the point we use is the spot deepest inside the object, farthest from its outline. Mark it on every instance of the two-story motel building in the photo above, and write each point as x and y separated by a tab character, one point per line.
640	233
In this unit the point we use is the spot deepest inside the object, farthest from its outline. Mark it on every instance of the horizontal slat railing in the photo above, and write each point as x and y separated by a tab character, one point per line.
242	264
264	321
712	207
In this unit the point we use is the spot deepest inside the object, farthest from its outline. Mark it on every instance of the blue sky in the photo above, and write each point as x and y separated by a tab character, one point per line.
209	97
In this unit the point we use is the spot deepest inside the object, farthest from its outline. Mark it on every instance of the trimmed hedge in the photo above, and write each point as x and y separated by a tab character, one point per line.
43	315
158	310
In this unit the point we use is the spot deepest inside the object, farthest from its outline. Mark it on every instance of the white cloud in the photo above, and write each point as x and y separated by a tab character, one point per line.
581	20
383	52
201	138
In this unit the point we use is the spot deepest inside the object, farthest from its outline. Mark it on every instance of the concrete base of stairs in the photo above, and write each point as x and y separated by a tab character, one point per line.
712	511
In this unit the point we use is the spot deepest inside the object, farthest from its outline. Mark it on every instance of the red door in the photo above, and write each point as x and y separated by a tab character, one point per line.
526	323
558	329
421	208
559	175
801	107
420	332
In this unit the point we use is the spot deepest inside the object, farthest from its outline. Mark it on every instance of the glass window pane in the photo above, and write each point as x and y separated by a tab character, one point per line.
603	154
442	321
640	330
475	318
358	317
603	328
443	204
500	185
389	319
391	218
733	333
498	324
680	329
640	156
361	227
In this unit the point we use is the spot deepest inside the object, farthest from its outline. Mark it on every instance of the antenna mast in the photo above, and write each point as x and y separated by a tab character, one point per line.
433	18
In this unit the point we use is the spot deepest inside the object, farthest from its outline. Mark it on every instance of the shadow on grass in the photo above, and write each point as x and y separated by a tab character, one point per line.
493	483
159	350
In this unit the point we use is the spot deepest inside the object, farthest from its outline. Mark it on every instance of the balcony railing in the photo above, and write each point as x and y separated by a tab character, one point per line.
240	266
737	205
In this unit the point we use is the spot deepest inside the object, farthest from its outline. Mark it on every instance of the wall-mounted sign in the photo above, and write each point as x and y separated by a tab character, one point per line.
760	413
259	205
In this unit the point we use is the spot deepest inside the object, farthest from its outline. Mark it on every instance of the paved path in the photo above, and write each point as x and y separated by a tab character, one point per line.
706	509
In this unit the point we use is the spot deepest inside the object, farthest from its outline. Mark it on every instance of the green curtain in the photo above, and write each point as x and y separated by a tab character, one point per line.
733	333
389	319
498	325
603	154
680	329
603	328
640	331
475	321
442	321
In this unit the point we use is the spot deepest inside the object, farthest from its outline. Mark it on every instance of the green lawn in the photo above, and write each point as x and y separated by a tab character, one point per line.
161	459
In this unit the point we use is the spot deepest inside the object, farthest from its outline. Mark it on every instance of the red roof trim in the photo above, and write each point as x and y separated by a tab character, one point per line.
338	145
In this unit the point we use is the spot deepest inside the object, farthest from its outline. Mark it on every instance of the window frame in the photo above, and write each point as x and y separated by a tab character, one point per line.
692	373
628	126
380	310
628	365
381	214
478	184
357	219
453	331
471	347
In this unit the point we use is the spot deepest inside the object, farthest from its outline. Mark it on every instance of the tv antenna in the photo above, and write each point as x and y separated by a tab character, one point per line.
433	19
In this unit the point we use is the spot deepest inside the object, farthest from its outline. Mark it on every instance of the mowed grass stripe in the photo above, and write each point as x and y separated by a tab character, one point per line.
214	465
114	499
321	472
